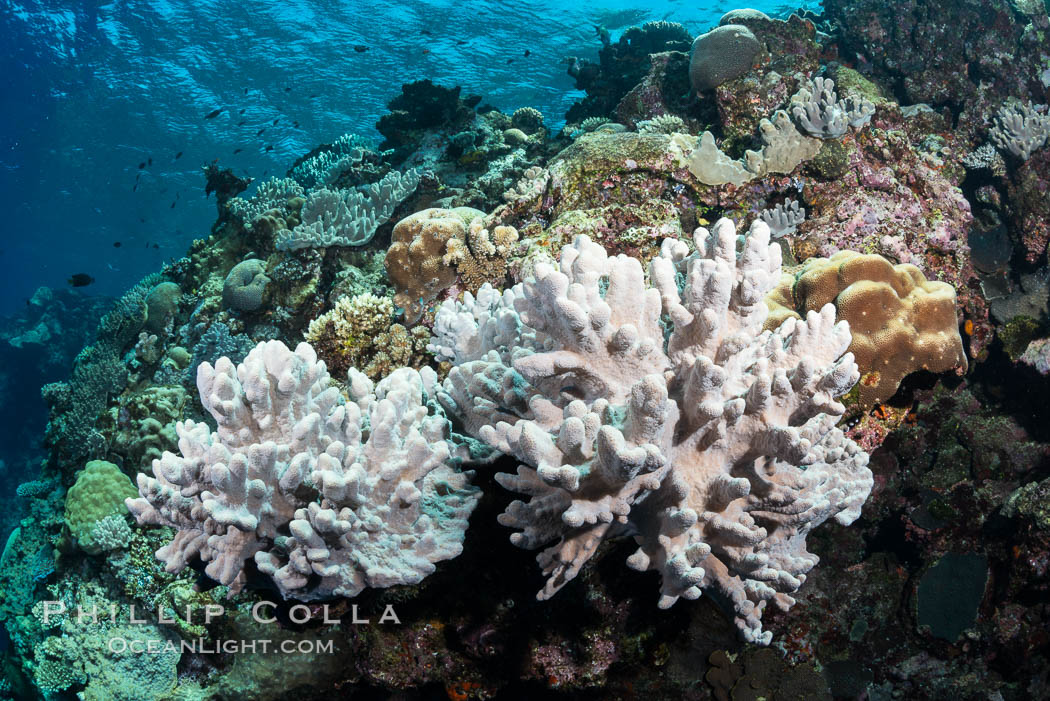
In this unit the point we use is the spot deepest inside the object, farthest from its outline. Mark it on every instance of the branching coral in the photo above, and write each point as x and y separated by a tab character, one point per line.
662	124
1020	130
783	219
325	167
269	195
329	496
784	148
901	322
359	332
716	447
481	256
817	109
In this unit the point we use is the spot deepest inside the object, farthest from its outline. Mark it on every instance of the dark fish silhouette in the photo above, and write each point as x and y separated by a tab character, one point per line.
461	42
142	220
116	244
237	150
269	147
178	155
510	61
295	124
527	52
142	165
81	280
360	48
246	91
214	113
259	133
149	161
425	33
243	111
156	246
276	120
242	122
313	96
135	187
172	206
288	89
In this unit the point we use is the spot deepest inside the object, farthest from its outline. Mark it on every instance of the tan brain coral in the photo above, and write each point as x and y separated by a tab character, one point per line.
901	322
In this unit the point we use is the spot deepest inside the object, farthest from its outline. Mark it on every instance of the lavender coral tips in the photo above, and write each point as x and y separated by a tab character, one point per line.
328	496
714	445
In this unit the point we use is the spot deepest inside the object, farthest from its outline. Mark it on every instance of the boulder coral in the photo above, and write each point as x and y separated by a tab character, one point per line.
901	322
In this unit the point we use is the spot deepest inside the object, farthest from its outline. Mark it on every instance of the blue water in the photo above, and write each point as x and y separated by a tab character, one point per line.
92	90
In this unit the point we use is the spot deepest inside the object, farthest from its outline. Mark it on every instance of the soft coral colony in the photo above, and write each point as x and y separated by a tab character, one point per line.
648	327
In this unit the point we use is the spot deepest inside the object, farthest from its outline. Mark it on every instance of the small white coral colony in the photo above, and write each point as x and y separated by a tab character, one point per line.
663	411
328	496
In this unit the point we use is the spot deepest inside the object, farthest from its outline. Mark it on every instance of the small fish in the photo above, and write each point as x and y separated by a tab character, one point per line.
527	53
426	51
178	155
259	133
243	111
149	161
81	280
214	113
242	122
156	246
269	147
172	206
295	124
510	61
276	120
142	165
360	48
425	33
237	150
136	187
288	89
246	91
461	42
313	96
116	244
142	220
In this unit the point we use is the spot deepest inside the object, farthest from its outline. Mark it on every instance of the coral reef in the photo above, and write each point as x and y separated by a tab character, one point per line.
679	403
